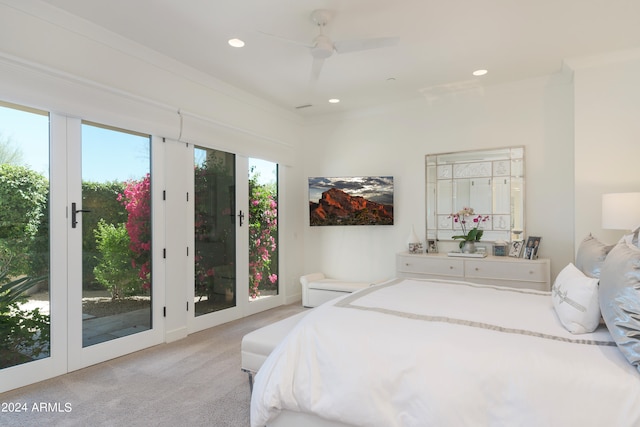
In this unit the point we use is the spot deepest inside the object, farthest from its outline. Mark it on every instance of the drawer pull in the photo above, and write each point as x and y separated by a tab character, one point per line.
477	269
451	267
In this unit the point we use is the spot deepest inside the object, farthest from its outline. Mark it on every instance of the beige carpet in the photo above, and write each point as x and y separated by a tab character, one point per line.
192	382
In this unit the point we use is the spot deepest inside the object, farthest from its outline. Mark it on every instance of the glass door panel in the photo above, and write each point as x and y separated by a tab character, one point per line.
214	230
25	324
116	233
263	229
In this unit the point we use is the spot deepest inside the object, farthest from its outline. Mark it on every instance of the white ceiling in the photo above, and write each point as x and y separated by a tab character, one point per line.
440	42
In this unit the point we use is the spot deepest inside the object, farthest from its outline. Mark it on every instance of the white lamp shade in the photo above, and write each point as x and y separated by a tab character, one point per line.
620	211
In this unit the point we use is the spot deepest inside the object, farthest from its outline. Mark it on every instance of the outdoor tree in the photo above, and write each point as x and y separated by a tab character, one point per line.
9	152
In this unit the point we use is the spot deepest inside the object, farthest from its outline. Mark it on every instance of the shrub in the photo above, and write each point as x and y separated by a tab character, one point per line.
24	334
101	198
114	269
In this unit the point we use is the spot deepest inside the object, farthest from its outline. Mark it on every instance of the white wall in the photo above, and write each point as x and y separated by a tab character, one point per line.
535	113
607	127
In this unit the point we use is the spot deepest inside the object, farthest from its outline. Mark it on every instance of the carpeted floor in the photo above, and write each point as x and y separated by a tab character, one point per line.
192	382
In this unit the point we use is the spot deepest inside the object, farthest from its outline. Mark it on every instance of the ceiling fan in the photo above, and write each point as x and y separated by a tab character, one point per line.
322	47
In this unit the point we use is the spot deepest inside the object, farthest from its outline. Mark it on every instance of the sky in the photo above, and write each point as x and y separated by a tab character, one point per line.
30	133
107	155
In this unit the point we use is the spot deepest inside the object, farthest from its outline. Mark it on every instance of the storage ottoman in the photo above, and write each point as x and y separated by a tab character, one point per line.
318	289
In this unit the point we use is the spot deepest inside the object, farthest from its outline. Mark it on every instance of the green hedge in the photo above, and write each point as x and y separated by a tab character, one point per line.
24	223
23	203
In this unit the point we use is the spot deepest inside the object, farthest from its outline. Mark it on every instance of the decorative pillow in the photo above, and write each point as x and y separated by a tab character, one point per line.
632	238
619	295
591	254
575	299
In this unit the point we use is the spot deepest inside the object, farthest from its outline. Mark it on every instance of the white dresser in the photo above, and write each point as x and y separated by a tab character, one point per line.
491	270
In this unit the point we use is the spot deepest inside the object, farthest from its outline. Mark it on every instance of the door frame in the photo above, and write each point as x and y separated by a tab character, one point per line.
78	356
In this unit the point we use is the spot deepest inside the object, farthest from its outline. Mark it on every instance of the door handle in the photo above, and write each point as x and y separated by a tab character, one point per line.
74	212
241	216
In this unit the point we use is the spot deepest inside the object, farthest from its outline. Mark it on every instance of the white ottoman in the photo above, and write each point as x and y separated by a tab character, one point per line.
318	289
257	345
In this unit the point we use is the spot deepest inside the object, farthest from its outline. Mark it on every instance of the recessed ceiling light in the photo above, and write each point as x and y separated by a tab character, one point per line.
236	43
479	72
334	100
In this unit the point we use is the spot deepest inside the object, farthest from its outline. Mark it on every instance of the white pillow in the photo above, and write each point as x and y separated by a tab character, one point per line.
619	296
591	254
632	238
575	300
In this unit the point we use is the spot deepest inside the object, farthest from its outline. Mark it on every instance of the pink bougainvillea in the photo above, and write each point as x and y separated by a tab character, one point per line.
263	231
136	199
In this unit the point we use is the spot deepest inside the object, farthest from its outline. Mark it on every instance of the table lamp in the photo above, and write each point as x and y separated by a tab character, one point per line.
621	211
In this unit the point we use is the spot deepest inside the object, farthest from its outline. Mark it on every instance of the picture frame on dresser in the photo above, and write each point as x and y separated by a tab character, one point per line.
531	250
432	246
499	250
515	248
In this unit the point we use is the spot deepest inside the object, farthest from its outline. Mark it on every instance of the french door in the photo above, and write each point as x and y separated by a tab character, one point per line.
115	299
75	245
235	237
32	330
108	237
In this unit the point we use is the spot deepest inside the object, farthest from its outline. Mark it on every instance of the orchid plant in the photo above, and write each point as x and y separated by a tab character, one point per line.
470	225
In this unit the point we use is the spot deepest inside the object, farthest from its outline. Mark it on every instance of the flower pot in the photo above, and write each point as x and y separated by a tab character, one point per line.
469	247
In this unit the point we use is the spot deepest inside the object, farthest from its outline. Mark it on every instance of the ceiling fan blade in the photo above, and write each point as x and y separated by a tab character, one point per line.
347	46
286	40
316	67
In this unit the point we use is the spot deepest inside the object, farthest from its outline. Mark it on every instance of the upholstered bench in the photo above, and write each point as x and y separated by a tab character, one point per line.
318	289
257	345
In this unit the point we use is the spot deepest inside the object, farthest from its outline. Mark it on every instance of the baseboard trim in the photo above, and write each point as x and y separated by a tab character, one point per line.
175	335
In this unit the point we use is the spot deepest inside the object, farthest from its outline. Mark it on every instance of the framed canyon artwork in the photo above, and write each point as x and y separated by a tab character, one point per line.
361	200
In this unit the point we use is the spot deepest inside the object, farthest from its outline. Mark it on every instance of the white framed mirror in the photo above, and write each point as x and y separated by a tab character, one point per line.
489	181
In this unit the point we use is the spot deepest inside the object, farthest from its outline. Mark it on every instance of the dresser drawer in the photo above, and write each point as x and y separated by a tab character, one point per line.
526	271
430	266
491	270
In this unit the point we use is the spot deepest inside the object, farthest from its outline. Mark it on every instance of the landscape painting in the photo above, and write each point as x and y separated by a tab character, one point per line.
364	200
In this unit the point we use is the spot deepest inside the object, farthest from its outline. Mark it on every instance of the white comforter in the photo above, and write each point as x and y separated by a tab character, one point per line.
418	353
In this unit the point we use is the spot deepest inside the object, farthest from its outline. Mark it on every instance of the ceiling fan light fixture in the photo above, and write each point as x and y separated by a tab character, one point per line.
236	43
322	47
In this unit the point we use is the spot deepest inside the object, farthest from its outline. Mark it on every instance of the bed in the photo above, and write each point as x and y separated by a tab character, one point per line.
411	352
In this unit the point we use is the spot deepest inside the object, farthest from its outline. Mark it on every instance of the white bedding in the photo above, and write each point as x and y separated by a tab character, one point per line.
431	353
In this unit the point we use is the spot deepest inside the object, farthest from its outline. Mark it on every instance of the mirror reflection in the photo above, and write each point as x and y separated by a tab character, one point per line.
489	181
